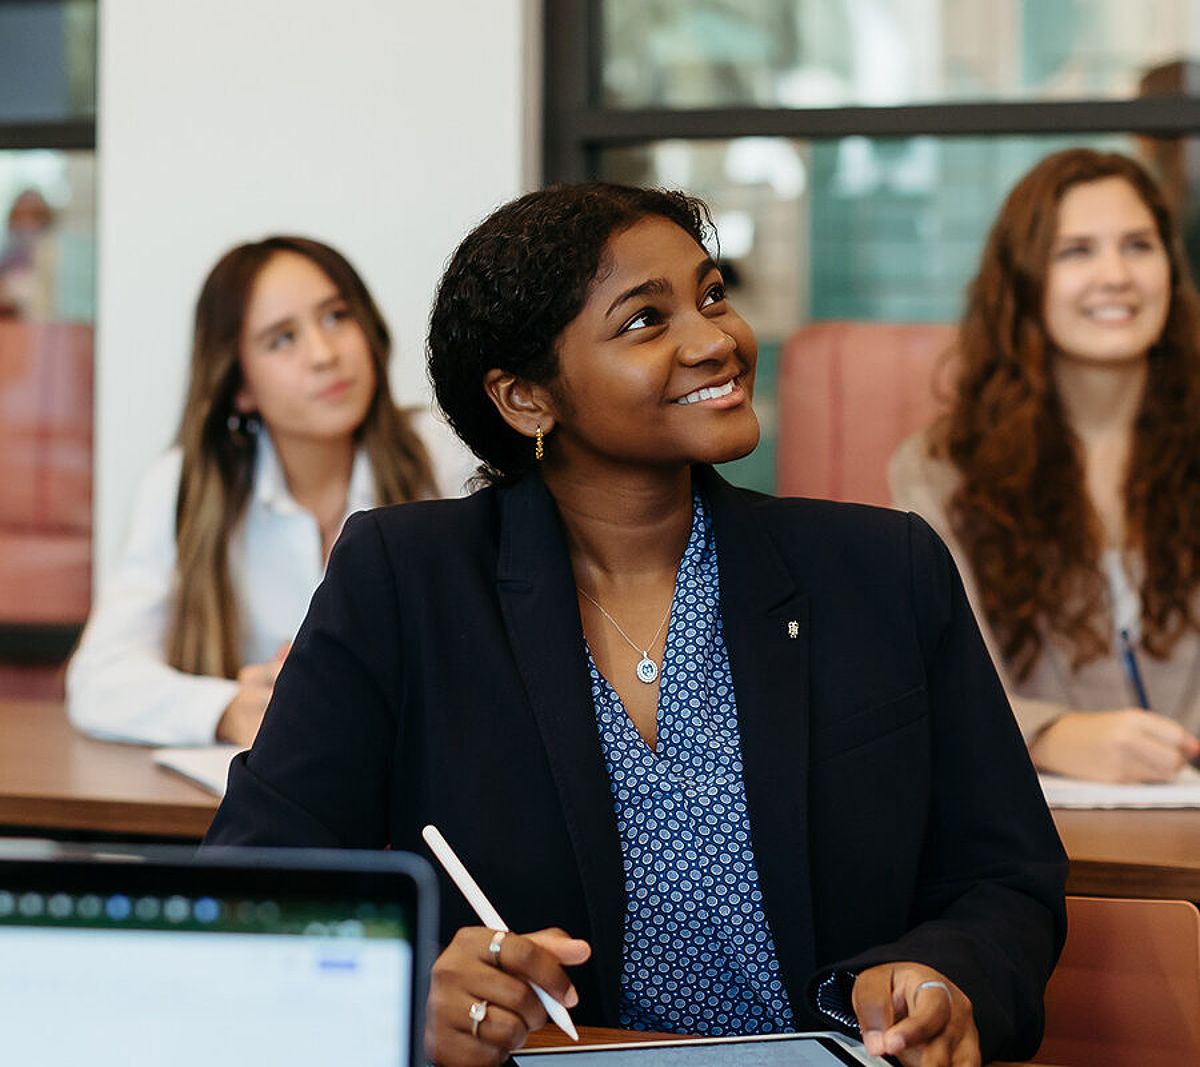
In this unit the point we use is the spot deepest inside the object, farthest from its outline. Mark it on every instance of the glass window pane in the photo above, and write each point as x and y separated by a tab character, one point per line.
831	53
47	305
47	60
857	228
48	244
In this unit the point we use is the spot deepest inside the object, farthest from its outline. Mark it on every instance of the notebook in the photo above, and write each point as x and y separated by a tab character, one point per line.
1181	792
231	957
206	765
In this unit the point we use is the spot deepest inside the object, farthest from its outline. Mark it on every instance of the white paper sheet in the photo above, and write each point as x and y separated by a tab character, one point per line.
1182	792
207	766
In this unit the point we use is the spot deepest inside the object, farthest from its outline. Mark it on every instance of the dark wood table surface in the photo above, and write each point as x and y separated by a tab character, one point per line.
53	780
1132	853
553	1037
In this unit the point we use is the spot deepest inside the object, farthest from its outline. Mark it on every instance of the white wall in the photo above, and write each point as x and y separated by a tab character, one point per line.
385	127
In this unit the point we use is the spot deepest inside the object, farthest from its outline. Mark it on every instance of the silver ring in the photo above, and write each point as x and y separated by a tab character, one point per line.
498	937
933	983
477	1012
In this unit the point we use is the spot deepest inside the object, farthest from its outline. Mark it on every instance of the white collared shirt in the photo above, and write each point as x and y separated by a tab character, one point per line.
119	686
276	555
1124	600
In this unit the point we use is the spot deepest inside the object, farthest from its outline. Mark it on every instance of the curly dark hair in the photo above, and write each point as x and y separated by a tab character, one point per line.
1022	511
512	287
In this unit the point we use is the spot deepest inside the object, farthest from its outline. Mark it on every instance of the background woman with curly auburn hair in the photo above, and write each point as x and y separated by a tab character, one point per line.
1066	475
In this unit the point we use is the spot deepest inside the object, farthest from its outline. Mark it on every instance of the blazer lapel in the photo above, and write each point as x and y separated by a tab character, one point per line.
536	589
766	631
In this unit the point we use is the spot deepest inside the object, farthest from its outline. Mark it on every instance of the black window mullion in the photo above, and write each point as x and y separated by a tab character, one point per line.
1161	116
571	69
61	135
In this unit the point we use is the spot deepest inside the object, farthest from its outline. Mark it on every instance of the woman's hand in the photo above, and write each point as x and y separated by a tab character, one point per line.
1114	746
922	1025
465	975
244	713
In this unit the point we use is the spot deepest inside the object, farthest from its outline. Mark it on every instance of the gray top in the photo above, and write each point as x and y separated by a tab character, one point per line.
924	484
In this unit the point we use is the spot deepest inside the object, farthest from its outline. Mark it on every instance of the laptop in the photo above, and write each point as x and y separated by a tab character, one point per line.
236	957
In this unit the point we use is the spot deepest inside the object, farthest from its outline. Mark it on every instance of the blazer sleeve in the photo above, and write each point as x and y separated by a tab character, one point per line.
319	772
989	910
921	484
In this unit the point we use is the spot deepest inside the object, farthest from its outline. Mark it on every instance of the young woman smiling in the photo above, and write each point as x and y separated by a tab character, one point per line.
288	427
1066	475
715	736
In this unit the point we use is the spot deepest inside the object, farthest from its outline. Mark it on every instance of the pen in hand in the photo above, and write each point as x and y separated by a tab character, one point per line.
488	915
1133	672
1134	675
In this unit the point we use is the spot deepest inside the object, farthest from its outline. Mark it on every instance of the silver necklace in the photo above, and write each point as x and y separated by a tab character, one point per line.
647	669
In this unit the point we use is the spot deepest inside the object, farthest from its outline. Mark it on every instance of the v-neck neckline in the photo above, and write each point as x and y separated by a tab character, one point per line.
612	699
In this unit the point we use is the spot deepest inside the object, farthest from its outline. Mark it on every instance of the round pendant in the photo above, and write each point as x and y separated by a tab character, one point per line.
647	669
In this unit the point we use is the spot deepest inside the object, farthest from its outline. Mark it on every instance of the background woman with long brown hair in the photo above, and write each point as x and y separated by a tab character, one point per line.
1066	475
288	427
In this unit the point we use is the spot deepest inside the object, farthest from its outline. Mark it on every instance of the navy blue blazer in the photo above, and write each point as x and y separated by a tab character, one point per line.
441	676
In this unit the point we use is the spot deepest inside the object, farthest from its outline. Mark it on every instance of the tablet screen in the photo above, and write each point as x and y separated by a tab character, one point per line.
235	958
791	1051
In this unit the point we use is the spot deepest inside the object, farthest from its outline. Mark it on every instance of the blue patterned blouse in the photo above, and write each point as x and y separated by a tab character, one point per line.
698	954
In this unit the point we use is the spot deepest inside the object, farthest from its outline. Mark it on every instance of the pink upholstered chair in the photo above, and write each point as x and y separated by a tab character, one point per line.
45	473
1126	992
849	393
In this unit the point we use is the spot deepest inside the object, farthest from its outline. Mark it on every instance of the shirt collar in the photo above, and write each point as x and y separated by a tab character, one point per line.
361	493
700	541
270	485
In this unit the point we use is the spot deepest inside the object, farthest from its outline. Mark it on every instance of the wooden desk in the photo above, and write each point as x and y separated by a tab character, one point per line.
552	1037
53	779
1132	853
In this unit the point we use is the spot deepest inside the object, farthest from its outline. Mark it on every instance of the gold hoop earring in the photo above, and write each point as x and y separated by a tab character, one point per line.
539	444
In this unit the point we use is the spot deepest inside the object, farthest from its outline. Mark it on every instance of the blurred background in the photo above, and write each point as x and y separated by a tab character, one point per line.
853	152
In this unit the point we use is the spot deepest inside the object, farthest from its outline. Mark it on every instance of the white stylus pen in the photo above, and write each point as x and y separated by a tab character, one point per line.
488	915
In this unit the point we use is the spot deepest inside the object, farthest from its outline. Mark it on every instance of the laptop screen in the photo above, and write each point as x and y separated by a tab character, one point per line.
243	958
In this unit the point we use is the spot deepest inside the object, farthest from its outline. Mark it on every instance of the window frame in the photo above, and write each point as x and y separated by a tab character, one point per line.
37	643
577	127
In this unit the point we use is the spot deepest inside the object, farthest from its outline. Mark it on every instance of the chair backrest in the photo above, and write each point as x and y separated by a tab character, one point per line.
849	393
46	426
45	472
1126	992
